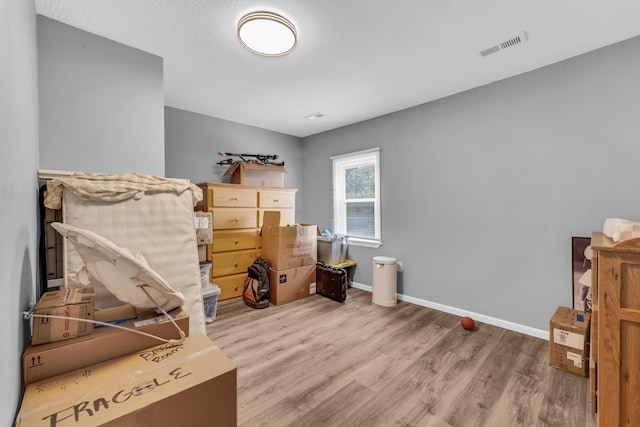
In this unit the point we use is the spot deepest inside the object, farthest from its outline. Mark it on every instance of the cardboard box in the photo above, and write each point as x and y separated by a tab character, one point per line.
256	174
192	384
202	253
291	284
73	302
203	222
47	360
289	246
569	339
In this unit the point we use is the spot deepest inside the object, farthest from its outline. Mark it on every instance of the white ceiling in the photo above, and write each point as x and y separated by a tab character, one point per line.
355	59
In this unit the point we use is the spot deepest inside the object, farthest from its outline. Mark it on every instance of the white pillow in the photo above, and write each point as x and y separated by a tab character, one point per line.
621	229
122	273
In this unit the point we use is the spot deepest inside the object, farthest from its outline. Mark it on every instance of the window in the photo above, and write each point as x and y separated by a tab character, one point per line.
356	197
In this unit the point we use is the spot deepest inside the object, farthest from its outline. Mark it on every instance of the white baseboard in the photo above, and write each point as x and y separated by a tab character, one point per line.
527	330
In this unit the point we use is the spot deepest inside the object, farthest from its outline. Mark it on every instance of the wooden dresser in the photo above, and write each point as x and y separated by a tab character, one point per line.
237	212
615	331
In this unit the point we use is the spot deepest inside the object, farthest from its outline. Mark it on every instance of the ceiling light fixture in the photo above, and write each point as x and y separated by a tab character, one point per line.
267	34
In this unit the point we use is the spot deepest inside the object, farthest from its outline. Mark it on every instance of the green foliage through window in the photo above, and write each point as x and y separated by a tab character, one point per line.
360	182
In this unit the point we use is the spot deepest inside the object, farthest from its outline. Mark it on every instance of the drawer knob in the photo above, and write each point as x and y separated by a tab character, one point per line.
236	288
236	219
235	199
276	200
235	264
236	242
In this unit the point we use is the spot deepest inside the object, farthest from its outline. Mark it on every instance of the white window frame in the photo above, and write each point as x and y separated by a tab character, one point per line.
340	164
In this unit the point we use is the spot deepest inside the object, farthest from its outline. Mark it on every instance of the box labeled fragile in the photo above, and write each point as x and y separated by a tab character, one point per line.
256	174
189	384
290	246
67	304
569	339
290	284
46	360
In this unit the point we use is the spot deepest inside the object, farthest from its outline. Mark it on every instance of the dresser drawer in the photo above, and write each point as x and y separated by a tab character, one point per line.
232	262
233	240
287	216
230	286
229	219
276	199
233	197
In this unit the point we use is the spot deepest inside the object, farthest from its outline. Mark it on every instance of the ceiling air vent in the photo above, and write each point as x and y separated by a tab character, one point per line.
514	41
314	116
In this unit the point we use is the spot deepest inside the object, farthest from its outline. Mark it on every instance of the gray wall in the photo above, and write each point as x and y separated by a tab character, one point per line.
192	143
18	191
482	191
101	103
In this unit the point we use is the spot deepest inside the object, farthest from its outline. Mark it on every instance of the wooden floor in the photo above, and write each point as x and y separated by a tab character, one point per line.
317	362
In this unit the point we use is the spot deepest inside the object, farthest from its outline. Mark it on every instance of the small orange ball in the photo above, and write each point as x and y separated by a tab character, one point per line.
468	323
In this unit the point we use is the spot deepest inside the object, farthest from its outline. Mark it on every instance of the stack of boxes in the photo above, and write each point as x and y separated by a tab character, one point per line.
291	252
569	340
190	384
203	222
85	374
62	345
78	373
204	237
66	303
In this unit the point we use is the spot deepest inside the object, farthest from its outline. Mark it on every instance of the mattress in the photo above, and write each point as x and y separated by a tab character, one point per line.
159	225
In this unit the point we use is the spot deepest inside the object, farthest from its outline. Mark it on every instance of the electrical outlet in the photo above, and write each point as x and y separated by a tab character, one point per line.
400	266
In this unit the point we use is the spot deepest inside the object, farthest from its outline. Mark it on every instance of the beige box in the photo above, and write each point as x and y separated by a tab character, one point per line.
289	246
202	253
47	360
68	303
191	384
203	222
291	284
256	175
569	340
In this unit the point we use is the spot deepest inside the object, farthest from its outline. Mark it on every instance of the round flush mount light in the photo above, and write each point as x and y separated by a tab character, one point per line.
267	34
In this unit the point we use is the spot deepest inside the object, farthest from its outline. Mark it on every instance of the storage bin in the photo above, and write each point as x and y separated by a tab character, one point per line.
205	267
210	302
332	249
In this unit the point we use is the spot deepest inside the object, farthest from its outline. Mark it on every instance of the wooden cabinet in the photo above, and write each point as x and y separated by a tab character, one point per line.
615	339
237	212
284	202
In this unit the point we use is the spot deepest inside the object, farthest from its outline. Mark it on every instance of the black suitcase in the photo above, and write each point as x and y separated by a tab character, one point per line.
331	282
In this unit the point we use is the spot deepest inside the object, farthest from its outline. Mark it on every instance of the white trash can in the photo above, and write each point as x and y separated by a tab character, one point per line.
385	281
